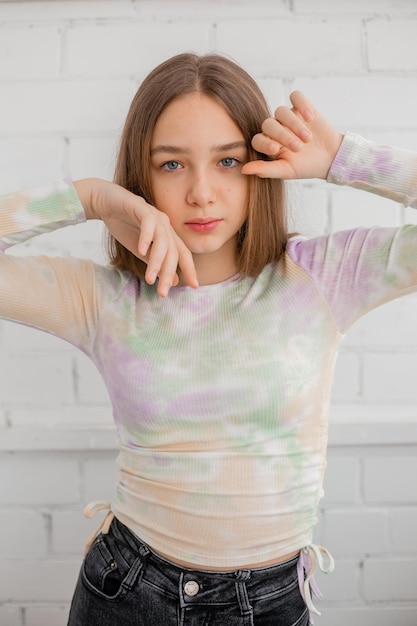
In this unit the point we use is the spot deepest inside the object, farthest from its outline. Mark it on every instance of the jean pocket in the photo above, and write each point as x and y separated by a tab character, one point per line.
109	572
283	606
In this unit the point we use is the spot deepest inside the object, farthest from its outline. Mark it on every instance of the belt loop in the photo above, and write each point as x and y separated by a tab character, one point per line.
242	575
144	551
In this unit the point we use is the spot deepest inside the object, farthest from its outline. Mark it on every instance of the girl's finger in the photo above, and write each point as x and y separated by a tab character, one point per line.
276	131
156	256
269	169
293	124
186	263
168	272
302	105
265	145
147	233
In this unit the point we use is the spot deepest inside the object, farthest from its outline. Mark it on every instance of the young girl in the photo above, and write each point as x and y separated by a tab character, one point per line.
216	333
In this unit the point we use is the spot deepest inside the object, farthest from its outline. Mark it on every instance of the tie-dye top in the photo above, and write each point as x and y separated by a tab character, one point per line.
221	394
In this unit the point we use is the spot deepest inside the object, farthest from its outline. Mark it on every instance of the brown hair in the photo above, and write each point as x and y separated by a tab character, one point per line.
263	237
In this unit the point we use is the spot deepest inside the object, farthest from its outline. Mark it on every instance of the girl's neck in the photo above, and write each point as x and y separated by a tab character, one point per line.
212	268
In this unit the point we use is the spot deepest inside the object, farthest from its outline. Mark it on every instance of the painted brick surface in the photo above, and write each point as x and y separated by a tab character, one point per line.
68	70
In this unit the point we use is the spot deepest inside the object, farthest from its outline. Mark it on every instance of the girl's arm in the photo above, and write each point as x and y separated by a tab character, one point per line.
140	228
63	296
54	294
301	143
28	213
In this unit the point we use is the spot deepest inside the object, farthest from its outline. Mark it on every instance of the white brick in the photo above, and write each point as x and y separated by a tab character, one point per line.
391	326
361	425
342	480
390	580
355	103
29	52
392	44
342	585
352	208
307	209
368	616
263	47
35	479
100	477
92	156
46	439
43	581
66	9
410	215
65	106
85	241
406	139
70	531
43	380
214	10
11	616
354	6
90	242
69	417
390	479
274	91
23	532
346	384
20	338
403	523
349	531
389	378
46	616
90	386
20	170
129	49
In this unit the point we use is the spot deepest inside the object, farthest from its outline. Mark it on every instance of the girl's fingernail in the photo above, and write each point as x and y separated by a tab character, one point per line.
152	276
308	115
143	249
305	134
294	144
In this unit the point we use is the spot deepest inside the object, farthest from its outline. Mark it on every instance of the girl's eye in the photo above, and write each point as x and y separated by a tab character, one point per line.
229	162
171	166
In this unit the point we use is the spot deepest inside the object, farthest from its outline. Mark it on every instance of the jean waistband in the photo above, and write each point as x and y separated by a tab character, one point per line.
300	569
122	532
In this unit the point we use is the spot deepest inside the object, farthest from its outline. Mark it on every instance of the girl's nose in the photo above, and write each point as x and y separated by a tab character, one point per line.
201	190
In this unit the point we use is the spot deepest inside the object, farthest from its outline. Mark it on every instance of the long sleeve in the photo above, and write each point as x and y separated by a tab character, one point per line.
357	270
57	295
40	210
383	170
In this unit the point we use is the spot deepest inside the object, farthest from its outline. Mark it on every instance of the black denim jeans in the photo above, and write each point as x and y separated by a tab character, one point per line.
123	583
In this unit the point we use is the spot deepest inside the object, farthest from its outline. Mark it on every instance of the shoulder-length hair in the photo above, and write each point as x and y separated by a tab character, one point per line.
263	237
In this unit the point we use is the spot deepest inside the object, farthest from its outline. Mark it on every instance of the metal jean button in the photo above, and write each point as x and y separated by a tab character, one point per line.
191	588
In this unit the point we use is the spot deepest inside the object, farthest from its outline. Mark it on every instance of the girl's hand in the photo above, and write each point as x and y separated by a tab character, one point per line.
141	228
300	141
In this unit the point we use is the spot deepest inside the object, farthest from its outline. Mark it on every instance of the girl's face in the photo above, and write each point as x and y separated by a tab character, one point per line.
197	151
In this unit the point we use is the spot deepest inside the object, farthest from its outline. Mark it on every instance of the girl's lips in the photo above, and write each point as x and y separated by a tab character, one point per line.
203	226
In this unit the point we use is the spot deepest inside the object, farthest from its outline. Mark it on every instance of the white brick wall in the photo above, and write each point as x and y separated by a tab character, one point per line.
68	69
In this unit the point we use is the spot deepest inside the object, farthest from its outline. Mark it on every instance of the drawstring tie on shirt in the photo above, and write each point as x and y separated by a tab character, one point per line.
310	557
90	511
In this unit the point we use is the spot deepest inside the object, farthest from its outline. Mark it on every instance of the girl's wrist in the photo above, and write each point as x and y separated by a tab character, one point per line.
84	190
